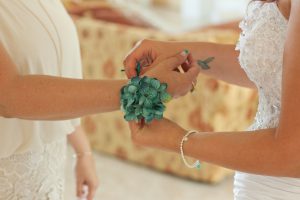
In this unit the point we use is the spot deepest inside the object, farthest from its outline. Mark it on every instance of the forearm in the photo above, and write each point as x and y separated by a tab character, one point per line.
37	97
225	67
256	152
79	141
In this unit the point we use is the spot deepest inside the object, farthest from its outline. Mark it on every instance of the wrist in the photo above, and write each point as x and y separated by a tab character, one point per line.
83	154
198	50
174	140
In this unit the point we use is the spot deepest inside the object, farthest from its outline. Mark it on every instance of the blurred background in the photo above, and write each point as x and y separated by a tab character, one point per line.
107	30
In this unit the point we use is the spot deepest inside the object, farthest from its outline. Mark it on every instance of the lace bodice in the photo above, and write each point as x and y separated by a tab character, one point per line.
261	48
34	175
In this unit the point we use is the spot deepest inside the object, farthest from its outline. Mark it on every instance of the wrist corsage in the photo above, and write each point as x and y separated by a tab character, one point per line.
144	98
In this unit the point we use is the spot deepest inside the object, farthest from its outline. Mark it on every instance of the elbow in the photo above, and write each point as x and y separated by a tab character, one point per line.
4	105
3	112
292	169
7	96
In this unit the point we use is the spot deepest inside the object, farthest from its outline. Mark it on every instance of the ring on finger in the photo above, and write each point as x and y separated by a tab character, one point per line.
193	86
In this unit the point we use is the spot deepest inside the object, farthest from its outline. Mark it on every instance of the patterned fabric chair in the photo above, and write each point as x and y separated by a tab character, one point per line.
215	106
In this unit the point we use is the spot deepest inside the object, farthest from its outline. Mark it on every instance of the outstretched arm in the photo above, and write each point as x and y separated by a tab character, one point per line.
225	66
273	152
257	152
38	97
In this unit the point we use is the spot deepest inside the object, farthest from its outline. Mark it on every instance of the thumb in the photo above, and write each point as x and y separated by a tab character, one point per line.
175	61
193	73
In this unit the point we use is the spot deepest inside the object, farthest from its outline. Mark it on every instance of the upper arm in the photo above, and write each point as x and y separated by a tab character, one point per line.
289	126
8	73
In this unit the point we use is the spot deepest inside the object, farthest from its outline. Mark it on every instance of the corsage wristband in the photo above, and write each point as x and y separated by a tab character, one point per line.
185	139
144	98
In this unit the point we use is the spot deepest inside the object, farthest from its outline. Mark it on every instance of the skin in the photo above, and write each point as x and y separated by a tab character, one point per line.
272	152
85	168
225	55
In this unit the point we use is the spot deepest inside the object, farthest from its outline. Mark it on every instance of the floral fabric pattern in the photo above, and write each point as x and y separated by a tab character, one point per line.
34	175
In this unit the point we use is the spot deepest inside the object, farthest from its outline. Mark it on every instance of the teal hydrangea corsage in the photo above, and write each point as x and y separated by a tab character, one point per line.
144	98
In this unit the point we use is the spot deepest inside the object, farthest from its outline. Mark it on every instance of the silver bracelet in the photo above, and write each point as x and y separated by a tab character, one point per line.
82	154
185	139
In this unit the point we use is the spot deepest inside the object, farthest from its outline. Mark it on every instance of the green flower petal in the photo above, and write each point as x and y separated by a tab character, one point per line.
158	117
130	117
132	89
163	87
165	97
148	103
155	83
138	111
135	81
152	94
146	79
130	102
158	112
146	112
149	118
142	100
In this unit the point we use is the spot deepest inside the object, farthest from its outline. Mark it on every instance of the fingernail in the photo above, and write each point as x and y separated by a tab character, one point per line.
185	52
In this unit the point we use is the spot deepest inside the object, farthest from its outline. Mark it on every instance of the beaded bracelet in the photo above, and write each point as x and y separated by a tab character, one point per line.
82	154
185	139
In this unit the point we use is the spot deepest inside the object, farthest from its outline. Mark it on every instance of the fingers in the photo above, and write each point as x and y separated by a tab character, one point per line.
134	127
87	190
193	73
138	51
91	191
79	188
188	63
173	62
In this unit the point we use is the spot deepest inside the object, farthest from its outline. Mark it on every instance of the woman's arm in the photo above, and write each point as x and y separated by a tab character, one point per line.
225	66
38	97
259	152
79	141
85	169
273	152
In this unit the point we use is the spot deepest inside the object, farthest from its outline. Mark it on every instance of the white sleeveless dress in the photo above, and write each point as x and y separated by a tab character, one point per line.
261	45
33	153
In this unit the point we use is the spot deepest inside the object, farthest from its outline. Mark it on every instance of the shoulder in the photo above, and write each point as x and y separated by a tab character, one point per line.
295	5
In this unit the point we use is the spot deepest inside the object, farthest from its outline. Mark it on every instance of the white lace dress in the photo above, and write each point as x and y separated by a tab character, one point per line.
261	46
41	39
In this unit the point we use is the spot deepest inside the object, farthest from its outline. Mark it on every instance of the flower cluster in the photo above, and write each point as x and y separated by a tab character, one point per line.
144	98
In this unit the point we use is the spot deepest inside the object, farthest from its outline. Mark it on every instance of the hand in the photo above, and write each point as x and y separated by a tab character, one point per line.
161	134
150	53
179	84
86	176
